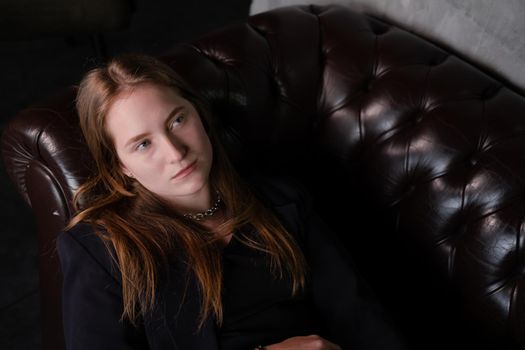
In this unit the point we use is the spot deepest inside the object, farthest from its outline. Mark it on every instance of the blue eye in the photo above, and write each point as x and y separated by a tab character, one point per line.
177	121
142	145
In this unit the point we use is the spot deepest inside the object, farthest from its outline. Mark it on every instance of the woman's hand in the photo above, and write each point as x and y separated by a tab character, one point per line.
310	342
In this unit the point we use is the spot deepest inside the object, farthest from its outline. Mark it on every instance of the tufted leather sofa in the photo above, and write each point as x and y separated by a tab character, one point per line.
413	155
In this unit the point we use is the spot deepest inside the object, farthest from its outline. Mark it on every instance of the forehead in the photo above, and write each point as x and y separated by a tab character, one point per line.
145	96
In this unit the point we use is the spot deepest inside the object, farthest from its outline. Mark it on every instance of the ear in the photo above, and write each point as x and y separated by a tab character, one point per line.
126	171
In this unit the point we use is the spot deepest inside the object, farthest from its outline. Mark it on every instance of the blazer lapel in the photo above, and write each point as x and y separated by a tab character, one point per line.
173	323
289	217
281	198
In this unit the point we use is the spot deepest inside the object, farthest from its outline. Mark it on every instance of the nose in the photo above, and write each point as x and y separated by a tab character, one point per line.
174	149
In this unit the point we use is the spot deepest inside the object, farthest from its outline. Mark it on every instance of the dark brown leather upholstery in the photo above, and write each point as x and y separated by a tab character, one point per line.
413	155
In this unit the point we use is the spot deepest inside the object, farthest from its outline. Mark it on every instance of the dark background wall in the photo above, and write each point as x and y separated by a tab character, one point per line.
45	46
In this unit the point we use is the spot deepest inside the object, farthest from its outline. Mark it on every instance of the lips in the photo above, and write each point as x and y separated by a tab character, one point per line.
185	171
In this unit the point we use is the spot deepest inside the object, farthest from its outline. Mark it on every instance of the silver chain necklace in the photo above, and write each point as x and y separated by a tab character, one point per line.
207	212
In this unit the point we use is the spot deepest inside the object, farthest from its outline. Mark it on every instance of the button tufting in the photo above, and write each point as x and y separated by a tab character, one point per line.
378	28
489	92
460	231
437	60
410	189
473	159
418	114
369	84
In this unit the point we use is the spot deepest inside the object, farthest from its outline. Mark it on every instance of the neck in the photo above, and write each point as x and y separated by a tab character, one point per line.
196	202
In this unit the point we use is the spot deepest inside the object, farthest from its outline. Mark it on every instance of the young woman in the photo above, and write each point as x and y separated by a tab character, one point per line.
171	249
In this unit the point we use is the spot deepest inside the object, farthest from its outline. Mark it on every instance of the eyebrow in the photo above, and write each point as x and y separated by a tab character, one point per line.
140	136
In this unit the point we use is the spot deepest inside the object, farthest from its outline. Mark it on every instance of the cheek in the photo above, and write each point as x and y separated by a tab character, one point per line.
142	168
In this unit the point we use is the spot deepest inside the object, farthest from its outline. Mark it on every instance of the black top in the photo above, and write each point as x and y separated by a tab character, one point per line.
92	294
258	306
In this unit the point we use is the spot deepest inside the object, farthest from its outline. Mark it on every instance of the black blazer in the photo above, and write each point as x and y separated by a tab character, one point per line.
92	297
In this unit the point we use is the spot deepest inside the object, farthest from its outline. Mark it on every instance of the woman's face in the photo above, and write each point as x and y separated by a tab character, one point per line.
161	142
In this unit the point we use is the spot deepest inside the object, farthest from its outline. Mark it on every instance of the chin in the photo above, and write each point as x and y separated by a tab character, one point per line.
191	187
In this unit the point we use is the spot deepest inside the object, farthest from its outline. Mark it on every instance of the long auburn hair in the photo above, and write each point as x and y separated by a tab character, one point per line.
140	231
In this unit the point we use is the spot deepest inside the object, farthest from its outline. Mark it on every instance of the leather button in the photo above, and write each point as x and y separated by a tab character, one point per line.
435	61
489	92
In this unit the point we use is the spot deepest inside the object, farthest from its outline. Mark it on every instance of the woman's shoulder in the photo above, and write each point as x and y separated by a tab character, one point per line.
84	234
83	242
